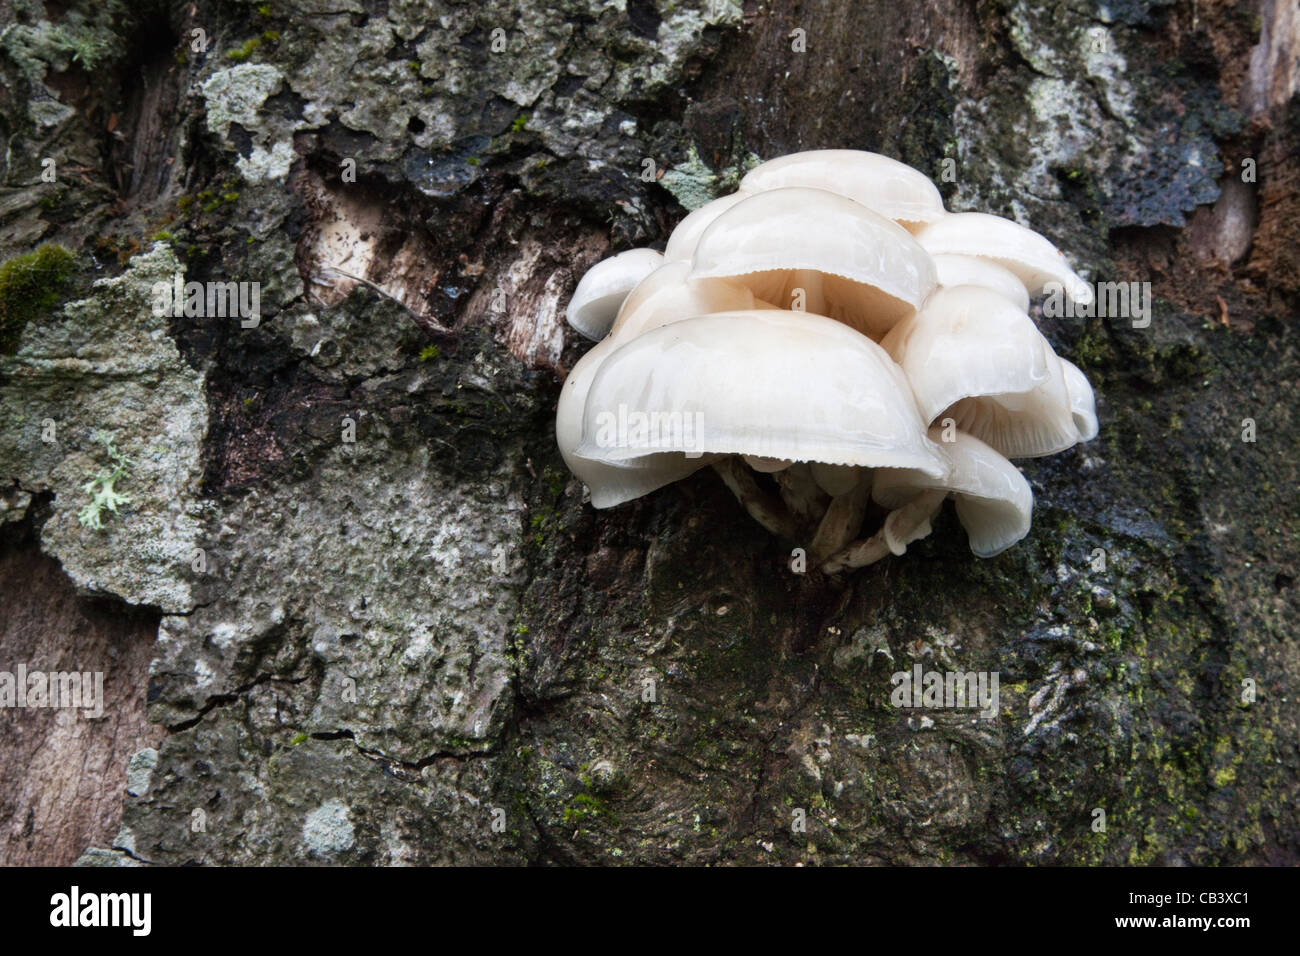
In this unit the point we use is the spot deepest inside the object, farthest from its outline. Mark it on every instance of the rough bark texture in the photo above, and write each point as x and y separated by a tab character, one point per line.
422	646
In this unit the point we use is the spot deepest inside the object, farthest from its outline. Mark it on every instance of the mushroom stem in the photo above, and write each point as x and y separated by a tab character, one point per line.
902	526
768	510
842	521
857	555
799	491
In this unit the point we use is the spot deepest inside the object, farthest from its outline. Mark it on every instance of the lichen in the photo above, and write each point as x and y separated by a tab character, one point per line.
102	487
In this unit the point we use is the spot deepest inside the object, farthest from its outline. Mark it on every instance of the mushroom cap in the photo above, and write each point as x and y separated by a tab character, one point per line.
682	241
1033	259
611	483
994	501
835	479
767	466
771	384
669	294
602	290
885	186
968	270
855	265
1083	404
973	355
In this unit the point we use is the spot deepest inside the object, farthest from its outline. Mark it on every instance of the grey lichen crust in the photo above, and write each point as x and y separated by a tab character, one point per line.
1092	115
387	604
107	363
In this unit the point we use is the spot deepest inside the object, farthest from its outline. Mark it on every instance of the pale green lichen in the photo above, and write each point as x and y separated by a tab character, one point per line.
693	183
236	95
101	488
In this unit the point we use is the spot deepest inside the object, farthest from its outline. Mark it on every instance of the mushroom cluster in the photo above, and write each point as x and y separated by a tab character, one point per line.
832	327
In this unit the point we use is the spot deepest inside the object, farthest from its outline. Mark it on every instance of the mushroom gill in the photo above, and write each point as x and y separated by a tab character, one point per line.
824	338
974	356
850	263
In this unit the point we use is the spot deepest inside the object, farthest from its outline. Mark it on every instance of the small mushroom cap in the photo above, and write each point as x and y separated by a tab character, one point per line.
994	502
771	384
682	242
976	357
836	479
854	265
885	186
968	270
1083	404
611	483
669	294
1033	259
602	290
767	466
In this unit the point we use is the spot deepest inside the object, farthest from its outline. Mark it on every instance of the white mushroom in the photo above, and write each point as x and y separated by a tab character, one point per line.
968	270
767	466
611	483
835	479
885	186
993	500
975	357
669	295
751	346
852	264
602	290
842	520
806	500
994	503
1083	405
682	242
772	384
1033	259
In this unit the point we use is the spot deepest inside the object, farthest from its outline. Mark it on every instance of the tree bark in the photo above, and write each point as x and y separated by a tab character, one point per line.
389	629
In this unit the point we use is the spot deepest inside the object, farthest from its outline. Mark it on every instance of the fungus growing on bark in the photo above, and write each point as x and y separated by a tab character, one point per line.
602	290
818	252
968	270
682	242
992	499
1033	259
825	338
885	186
974	356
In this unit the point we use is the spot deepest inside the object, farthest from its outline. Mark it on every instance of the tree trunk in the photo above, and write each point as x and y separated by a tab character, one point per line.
389	629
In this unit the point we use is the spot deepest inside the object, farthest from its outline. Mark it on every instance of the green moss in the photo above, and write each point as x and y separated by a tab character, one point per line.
520	122
242	53
585	807
271	36
429	353
30	287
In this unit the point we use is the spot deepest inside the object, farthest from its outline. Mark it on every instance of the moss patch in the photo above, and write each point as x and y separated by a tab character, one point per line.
30	287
